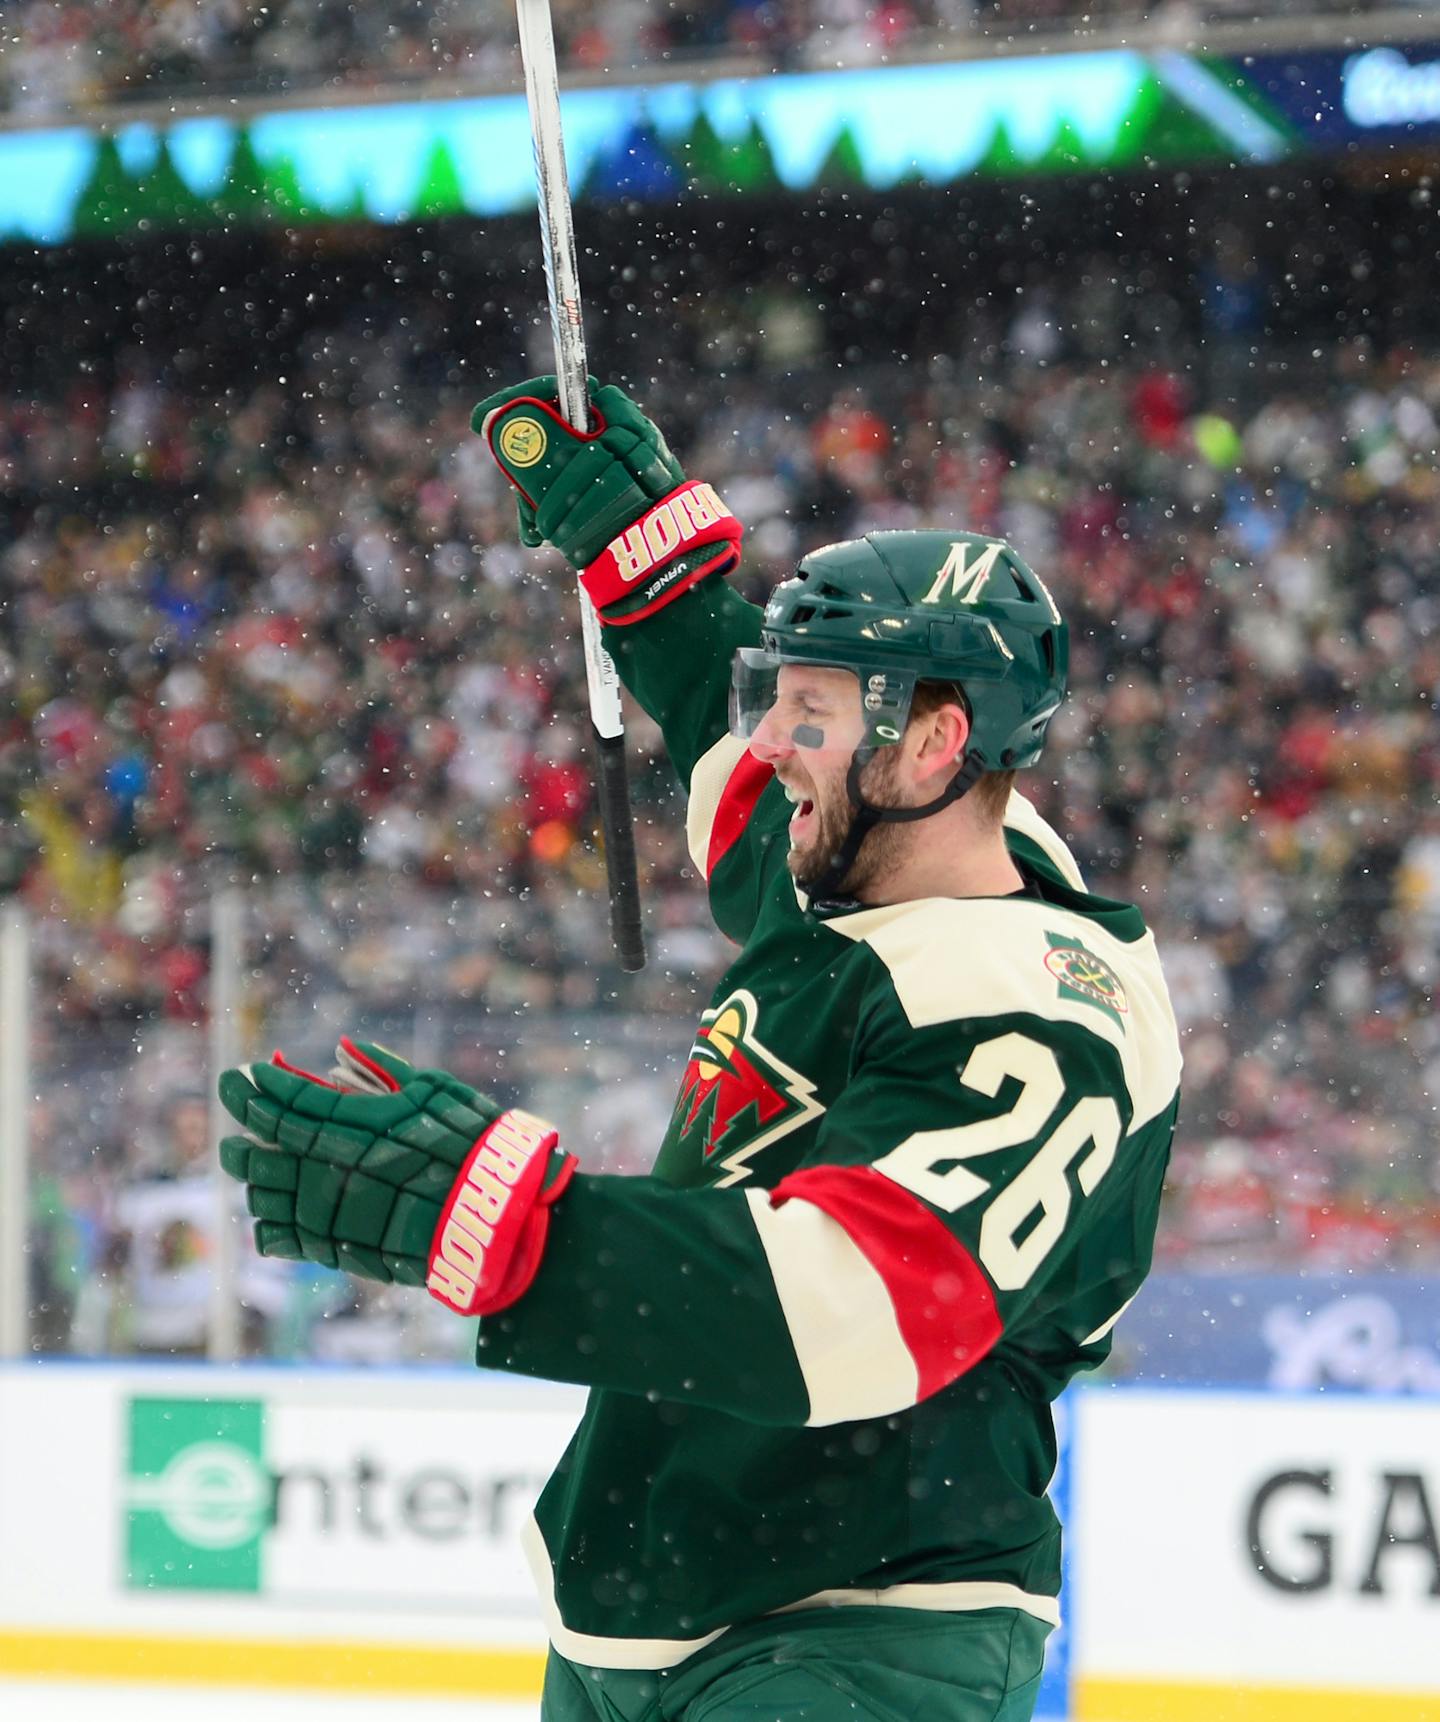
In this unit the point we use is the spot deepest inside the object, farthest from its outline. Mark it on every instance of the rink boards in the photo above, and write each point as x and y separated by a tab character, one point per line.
339	1528
1253	1557
1247	1557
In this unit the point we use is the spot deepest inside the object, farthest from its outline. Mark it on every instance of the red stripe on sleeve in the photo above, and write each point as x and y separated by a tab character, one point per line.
742	790
944	1306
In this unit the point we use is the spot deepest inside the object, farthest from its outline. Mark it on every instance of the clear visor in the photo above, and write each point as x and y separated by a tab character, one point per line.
754	682
814	712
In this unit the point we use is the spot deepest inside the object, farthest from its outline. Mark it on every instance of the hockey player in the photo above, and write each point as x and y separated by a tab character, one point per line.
913	1170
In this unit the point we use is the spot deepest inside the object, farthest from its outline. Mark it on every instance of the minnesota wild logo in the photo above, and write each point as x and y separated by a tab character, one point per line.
1084	976
522	441
736	1093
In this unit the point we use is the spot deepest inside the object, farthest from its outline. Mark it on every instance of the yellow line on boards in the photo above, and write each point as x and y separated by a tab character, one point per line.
1097	1700
332	1665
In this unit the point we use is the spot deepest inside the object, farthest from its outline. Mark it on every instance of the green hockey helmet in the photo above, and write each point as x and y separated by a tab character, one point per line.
898	608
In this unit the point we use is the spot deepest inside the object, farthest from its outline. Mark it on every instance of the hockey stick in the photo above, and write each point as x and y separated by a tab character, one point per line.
562	282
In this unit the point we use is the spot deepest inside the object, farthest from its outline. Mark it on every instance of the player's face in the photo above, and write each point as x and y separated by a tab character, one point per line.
809	735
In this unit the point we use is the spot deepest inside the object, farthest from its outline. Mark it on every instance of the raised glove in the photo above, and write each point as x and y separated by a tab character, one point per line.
395	1174
614	502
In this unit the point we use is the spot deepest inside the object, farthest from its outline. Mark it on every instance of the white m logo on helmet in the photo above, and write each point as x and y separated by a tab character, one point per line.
960	581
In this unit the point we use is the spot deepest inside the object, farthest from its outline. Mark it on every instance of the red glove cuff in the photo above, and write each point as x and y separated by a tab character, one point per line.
483	1224
645	561
525	1261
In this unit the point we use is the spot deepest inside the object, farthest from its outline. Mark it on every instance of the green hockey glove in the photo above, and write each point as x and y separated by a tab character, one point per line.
395	1174
614	501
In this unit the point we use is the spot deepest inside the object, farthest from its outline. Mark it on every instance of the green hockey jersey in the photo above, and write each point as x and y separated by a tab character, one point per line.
910	1182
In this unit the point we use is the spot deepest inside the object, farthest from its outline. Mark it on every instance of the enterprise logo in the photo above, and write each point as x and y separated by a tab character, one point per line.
210	1495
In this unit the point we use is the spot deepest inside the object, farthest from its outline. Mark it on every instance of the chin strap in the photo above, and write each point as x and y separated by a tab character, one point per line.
826	893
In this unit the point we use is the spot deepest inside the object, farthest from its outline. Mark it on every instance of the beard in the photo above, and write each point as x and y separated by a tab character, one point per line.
879	849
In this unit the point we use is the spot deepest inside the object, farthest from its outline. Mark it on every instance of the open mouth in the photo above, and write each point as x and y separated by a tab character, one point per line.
803	816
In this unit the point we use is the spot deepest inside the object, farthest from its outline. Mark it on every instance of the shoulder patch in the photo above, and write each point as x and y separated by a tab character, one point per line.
1080	974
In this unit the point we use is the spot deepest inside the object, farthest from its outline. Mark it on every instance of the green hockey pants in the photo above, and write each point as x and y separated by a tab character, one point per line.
825	1665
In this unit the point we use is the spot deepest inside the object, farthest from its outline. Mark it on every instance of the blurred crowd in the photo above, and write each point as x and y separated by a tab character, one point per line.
276	631
56	54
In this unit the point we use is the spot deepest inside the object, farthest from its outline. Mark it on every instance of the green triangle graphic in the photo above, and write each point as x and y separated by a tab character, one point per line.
1066	152
242	198
1000	156
1177	134
750	163
440	192
701	155
162	197
710	163
283	195
843	167
103	205
1140	116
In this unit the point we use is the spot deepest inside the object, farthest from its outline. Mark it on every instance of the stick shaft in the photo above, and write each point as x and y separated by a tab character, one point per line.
557	222
567	327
